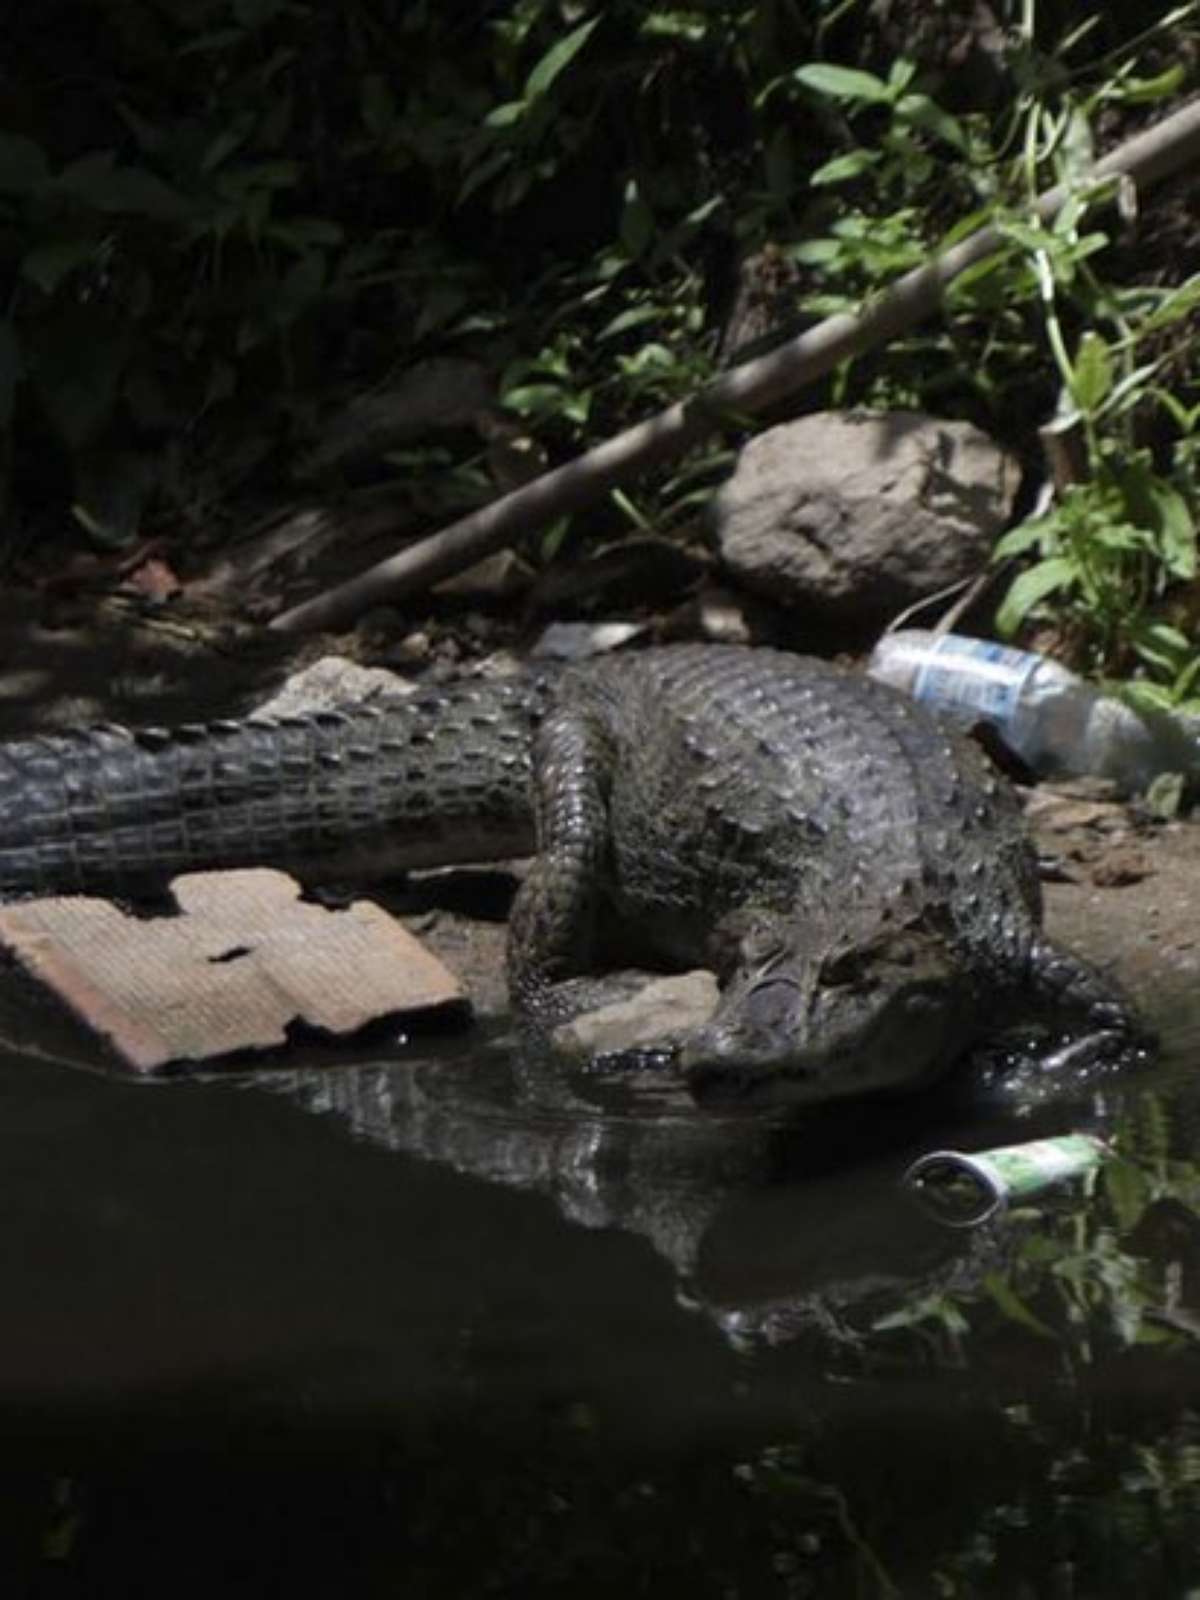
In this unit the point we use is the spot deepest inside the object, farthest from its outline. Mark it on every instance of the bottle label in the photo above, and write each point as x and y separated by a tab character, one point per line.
974	674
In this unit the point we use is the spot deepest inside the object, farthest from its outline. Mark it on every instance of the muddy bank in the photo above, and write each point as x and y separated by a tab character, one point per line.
1122	890
1126	894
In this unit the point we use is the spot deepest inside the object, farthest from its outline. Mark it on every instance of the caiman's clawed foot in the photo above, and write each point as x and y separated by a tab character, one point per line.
1109	1033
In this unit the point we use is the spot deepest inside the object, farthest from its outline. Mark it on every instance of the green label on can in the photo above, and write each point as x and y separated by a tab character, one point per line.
966	1189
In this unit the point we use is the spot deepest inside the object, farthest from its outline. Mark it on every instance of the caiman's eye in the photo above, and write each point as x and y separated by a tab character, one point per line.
771	1004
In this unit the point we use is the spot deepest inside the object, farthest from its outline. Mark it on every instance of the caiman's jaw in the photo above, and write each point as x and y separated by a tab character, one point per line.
889	1013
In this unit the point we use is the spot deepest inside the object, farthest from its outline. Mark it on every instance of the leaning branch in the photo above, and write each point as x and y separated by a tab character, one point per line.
746	389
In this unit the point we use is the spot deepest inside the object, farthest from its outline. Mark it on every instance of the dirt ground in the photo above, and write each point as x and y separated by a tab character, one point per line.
1127	896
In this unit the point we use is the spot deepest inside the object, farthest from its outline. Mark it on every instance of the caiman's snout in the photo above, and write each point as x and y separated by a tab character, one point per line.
890	1015
751	1039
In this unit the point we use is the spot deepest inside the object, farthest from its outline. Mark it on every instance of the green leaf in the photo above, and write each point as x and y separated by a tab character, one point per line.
1176	531
506	115
842	83
533	399
633	317
1147	697
704	210
651	360
1131	390
1140	91
1029	236
1023	538
1166	794
1177	303
1014	1308
1127	1190
1161	647
1167	637
484	171
1157	507
636	226
1181	689
225	143
95	182
1122	538
551	541
23	165
691	26
922	112
1093	375
577	407
1032	586
817	252
939	1309
1077	148
851	165
11	370
558	58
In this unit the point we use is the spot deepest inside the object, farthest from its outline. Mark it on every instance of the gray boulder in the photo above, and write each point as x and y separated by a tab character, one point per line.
853	516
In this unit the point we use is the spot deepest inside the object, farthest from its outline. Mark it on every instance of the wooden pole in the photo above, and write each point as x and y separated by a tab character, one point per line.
746	389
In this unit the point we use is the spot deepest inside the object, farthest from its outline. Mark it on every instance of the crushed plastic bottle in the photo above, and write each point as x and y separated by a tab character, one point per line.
1046	714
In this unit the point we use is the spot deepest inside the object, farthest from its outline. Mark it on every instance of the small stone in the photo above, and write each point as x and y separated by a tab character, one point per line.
412	650
664	1007
1119	867
331	681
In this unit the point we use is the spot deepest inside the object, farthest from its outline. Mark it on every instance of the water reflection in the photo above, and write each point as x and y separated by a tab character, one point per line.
600	1331
1059	1456
775	1227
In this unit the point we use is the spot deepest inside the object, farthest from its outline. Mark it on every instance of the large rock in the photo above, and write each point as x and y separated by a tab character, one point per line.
854	516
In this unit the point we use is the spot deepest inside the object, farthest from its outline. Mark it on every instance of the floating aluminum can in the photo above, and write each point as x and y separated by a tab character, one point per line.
964	1190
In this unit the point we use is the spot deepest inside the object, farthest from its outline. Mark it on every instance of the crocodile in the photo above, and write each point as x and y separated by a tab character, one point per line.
854	870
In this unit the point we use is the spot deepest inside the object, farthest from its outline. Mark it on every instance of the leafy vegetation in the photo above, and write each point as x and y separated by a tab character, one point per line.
230	216
1122	532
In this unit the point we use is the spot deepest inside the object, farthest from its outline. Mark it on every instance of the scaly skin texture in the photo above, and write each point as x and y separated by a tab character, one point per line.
856	873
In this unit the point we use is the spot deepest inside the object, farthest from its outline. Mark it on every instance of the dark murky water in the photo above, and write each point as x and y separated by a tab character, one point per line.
422	1328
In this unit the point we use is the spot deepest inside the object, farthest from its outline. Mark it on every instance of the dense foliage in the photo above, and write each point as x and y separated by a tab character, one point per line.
220	218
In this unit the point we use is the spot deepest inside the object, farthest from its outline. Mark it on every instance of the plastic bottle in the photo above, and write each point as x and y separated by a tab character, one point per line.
1046	714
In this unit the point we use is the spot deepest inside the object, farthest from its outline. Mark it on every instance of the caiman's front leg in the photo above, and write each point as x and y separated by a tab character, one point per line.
552	927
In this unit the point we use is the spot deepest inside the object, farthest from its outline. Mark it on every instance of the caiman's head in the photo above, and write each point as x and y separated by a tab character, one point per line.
890	1010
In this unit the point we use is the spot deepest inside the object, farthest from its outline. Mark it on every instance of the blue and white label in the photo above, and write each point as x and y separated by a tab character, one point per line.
975	675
